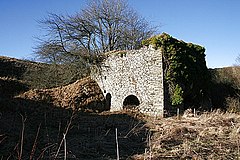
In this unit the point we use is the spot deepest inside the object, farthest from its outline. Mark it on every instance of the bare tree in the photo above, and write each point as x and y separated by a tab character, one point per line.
104	25
238	60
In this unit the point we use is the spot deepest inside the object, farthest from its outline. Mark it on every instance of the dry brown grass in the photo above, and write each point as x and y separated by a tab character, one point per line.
214	135
233	104
82	93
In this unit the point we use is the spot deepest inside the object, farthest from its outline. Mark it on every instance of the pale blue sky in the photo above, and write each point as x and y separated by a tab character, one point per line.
214	24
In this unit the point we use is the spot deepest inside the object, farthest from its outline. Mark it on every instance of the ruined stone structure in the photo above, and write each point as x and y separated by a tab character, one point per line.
132	78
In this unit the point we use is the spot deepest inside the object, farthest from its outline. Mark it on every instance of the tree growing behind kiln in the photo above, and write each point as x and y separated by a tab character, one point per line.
104	25
77	41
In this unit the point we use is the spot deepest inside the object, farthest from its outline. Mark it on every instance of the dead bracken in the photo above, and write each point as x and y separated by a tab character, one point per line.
212	135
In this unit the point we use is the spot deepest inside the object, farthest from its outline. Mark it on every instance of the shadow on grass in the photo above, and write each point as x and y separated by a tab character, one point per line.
90	135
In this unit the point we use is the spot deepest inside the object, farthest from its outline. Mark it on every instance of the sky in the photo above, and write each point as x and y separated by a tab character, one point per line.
214	24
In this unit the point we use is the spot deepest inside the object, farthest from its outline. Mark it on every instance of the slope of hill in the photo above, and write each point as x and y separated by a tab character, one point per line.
83	93
15	68
225	88
12	75
228	75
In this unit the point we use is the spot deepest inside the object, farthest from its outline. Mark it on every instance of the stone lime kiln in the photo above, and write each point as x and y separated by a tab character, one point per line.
132	78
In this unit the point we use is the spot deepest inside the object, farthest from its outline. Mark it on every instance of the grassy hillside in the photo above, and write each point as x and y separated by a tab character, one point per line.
33	124
225	88
39	75
12	75
15	68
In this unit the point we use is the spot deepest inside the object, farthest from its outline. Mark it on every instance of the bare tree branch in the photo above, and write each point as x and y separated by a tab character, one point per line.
104	25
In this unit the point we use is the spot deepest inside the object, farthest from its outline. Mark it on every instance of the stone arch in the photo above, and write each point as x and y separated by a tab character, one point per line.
131	102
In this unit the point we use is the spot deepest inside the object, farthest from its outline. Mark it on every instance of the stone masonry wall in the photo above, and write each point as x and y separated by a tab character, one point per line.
135	73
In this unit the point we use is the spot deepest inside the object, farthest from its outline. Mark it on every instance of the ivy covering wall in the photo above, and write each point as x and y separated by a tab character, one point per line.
186	76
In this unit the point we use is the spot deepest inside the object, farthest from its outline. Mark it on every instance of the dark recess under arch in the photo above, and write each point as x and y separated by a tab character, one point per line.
130	101
108	101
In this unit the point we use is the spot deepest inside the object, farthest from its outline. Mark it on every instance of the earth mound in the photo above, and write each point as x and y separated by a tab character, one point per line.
82	94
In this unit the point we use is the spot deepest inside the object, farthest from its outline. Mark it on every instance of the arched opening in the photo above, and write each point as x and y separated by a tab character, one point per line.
130	102
108	101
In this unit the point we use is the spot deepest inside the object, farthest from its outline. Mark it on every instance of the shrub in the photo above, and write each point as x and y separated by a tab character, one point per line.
177	98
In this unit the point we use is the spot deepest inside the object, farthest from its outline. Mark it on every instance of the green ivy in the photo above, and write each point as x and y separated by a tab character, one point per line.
185	70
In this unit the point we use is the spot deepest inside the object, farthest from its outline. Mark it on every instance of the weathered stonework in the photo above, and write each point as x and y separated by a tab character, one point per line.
132	78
